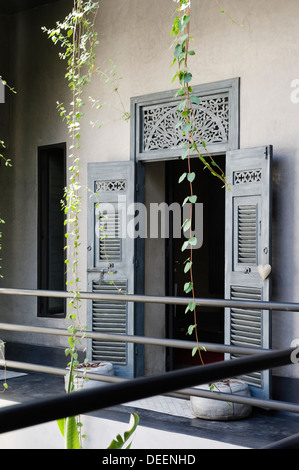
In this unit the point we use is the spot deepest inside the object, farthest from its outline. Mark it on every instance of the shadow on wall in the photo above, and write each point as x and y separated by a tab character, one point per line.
284	269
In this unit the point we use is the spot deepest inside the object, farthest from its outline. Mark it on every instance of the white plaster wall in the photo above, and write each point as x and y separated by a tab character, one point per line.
136	35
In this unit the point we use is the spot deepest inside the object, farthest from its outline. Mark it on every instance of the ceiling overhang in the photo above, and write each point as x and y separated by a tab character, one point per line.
10	7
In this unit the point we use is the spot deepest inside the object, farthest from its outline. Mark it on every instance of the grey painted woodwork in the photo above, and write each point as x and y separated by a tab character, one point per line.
154	135
248	246
110	261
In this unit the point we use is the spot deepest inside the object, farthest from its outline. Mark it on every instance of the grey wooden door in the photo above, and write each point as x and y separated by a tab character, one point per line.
248	246
110	261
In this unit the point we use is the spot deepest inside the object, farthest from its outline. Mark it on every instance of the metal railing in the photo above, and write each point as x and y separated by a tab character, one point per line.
123	390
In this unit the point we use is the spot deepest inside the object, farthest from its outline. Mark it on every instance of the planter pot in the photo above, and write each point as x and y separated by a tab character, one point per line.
206	408
100	368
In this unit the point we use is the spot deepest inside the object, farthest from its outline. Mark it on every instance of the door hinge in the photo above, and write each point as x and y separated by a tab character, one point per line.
266	153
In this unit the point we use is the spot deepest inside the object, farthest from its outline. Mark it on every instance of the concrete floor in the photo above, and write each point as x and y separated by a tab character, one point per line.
170	417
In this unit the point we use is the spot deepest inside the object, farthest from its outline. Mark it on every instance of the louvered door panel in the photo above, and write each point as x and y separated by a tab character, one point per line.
108	316
246	327
246	213
109	234
110	262
248	244
247	234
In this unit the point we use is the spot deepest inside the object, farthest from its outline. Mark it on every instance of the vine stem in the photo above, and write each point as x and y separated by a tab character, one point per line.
221	176
187	94
228	15
182	26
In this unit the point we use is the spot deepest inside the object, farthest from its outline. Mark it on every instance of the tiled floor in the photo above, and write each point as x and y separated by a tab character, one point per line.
163	404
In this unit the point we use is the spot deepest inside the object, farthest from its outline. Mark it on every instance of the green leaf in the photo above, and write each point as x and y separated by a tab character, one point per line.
188	287
185	246
187	128
187	77
194	351
60	423
188	266
183	22
173	62
190	329
180	92
194	99
184	37
186	200
182	177
185	153
186	113
71	434
69	430
182	105
193	199
193	241
190	307
186	225
119	442
191	177
177	50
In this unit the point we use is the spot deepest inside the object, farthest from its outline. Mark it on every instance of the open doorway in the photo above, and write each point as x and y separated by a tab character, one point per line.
208	262
51	237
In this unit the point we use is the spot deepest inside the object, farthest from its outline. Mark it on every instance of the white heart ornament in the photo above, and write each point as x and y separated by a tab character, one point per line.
264	270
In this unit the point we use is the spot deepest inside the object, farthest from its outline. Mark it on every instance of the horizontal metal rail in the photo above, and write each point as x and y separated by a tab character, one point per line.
185	392
281	306
170	343
85	401
289	443
12	418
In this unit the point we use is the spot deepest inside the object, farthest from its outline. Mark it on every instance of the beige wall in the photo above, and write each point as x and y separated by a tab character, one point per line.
135	34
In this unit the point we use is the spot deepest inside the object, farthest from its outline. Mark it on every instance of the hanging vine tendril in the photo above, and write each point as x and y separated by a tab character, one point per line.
195	146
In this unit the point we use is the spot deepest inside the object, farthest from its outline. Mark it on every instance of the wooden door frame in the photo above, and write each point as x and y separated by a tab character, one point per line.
229	88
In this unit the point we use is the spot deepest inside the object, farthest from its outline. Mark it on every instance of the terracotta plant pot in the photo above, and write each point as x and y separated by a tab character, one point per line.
100	368
218	410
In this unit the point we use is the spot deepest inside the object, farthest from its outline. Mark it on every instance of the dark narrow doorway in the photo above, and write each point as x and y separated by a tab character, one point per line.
208	262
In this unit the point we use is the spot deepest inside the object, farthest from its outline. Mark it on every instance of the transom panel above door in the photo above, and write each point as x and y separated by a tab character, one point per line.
155	135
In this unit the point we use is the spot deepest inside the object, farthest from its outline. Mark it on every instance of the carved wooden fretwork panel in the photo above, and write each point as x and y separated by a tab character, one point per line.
159	123
247	176
110	186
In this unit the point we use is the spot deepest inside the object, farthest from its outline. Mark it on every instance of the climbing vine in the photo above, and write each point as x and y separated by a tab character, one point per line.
8	163
78	40
195	145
